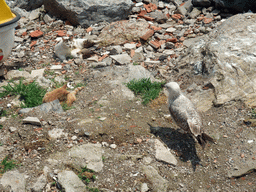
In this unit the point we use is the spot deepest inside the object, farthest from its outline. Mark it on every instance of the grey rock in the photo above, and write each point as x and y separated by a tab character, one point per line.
16	75
99	64
47	18
14	180
22	12
53	106
89	12
201	3
237	5
228	59
57	133
71	182
12	129
144	187
194	13
171	29
182	10
129	46
43	82
122	59
25	110
158	16
34	14
27	4
32	120
37	73
138	57
163	154
40	184
159	184
89	155
116	50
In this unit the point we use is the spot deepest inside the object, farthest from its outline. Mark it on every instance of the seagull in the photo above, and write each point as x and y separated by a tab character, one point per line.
185	114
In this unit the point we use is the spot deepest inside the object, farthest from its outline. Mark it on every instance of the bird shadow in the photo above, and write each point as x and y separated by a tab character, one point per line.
182	143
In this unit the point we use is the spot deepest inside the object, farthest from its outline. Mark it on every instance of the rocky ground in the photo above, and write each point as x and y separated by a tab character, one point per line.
130	146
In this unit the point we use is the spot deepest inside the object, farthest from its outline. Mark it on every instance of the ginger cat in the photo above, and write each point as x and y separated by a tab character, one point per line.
71	97
60	93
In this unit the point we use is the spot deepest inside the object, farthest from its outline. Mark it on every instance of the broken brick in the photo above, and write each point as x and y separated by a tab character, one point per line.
177	16
142	13
156	28
36	34
207	20
89	29
32	43
103	57
60	33
132	53
147	18
173	40
147	35
156	44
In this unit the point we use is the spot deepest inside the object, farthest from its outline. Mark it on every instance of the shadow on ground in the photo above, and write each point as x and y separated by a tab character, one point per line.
182	143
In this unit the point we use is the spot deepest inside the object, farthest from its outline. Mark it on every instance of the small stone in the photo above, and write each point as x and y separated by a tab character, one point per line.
32	120
129	46
104	144
113	146
12	129
144	187
102	118
56	67
74	138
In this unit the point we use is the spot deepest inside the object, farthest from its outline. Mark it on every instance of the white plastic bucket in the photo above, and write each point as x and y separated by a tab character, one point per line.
7	37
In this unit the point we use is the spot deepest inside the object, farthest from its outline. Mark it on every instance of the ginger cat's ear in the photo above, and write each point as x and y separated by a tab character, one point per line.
64	86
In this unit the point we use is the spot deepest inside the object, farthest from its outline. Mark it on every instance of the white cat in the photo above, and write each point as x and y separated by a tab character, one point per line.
63	48
70	47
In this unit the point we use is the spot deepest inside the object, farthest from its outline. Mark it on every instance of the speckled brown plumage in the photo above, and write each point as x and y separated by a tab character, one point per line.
185	114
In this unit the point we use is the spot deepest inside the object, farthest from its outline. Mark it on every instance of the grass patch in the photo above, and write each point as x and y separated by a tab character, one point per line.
3	113
92	189
144	87
31	94
253	113
86	175
7	164
65	107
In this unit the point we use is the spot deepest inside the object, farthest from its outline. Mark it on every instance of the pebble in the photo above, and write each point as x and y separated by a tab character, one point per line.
112	146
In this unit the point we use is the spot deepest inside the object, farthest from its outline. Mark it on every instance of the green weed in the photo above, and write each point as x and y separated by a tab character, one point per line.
1	126
92	189
3	113
80	85
49	72
85	173
144	87
65	107
7	164
135	63
253	113
31	94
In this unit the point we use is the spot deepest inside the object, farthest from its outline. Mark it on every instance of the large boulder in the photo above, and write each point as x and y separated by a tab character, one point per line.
226	59
88	12
25	4
237	5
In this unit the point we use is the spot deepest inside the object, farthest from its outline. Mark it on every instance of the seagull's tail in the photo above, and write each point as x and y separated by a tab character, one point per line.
203	138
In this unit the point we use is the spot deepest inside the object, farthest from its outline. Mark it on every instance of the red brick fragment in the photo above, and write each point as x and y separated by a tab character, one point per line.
138	44
156	28
24	33
142	13
89	29
173	40
147	18
207	20
150	7
177	16
32	43
156	44
147	35
103	57
36	34
182	38
61	33
132	53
